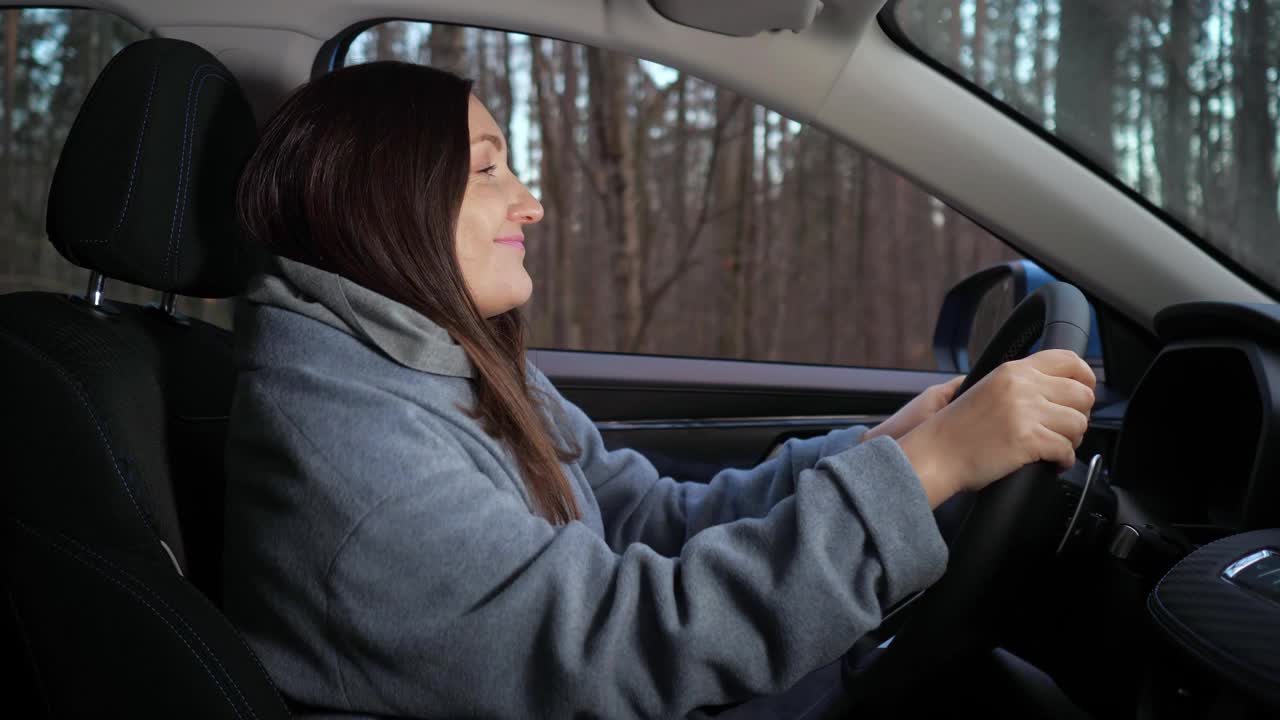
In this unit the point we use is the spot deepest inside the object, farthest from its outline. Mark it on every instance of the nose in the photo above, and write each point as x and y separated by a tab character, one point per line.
527	210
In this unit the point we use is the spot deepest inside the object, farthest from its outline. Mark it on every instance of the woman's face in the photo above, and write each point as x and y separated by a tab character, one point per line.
495	209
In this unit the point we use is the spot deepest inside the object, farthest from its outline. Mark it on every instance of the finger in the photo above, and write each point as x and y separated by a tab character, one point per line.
1064	363
1056	449
1067	392
948	389
1067	422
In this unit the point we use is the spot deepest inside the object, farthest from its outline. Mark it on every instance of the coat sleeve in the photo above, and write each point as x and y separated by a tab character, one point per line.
639	505
447	598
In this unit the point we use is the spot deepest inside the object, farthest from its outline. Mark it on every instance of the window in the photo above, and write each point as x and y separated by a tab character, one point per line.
1178	100
754	237
51	59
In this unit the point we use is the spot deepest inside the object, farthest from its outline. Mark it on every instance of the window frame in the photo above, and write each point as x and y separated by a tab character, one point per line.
332	56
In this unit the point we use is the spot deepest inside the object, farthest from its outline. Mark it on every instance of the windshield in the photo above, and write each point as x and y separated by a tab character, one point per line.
1176	99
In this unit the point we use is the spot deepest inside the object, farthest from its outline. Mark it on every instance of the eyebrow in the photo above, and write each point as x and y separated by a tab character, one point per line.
497	141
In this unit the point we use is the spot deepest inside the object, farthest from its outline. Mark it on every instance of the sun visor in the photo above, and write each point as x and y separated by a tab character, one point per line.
740	17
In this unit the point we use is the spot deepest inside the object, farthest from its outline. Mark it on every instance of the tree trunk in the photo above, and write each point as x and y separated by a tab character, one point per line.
1144	58
979	41
547	232
1040	65
835	303
796	244
448	49
570	327
1225	181
11	20
608	81
728	198
679	161
641	159
505	94
1090	34
744	236
861	224
1258	226
1173	144
483	78
898	274
763	272
1006	55
387	41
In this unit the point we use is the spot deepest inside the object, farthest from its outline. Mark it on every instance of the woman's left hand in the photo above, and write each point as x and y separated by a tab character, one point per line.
919	409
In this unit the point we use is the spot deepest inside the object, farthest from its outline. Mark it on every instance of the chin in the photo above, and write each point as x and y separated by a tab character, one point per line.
517	295
522	290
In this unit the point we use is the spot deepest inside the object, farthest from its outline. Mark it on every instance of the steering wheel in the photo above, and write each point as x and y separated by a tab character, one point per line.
991	534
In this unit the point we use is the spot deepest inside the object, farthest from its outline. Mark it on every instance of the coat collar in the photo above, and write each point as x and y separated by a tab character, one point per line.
400	332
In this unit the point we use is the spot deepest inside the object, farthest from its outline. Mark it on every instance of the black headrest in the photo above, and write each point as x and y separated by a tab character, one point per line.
144	189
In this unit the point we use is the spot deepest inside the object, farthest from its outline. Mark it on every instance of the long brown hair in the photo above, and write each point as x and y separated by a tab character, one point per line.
361	173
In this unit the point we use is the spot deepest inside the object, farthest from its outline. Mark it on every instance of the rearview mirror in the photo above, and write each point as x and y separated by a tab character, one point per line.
975	308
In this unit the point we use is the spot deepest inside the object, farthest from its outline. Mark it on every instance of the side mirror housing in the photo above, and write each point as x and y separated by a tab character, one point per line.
961	322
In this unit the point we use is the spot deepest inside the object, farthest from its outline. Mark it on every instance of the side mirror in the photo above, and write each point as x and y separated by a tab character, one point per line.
974	309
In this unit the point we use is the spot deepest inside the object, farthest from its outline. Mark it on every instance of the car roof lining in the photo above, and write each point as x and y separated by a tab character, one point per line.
802	73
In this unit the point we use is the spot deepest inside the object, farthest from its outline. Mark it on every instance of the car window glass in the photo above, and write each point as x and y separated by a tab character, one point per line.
683	219
1178	100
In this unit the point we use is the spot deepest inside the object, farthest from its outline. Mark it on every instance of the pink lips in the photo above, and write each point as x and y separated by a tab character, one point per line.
514	240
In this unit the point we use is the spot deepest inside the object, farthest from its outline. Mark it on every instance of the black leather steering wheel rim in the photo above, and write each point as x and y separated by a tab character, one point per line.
988	532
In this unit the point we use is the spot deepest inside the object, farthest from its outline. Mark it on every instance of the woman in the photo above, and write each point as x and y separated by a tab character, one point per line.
419	525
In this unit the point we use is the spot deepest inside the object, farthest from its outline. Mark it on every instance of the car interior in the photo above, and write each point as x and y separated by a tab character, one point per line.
1144	583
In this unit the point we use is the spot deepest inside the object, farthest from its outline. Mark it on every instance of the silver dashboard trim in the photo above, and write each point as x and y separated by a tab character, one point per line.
1240	565
1095	466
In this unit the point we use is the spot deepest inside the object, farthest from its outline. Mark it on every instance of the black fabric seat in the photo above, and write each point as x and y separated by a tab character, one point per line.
115	415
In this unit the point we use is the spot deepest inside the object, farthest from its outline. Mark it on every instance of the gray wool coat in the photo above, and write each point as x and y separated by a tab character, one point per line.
382	556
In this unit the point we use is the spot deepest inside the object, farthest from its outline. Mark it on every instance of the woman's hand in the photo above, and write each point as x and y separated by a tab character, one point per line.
1025	410
921	408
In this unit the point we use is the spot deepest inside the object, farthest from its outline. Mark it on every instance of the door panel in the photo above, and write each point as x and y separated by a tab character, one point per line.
692	417
698	450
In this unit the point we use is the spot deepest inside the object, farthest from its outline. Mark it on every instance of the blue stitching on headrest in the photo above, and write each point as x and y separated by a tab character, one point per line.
188	128
142	133
186	184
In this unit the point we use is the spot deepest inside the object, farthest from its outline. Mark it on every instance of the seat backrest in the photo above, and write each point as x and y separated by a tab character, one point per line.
115	415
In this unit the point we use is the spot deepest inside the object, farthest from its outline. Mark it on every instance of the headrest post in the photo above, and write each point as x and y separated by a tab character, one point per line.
166	302
94	294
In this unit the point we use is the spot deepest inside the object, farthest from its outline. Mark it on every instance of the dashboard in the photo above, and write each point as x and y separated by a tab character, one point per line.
1200	443
1192	491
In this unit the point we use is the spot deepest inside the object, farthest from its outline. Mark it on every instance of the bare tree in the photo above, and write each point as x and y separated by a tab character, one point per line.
569	329
554	200
1086	75
388	41
11	19
1173	140
505	94
447	49
1254	134
616	176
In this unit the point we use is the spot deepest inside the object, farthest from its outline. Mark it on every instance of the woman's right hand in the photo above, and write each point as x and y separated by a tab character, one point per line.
1025	410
